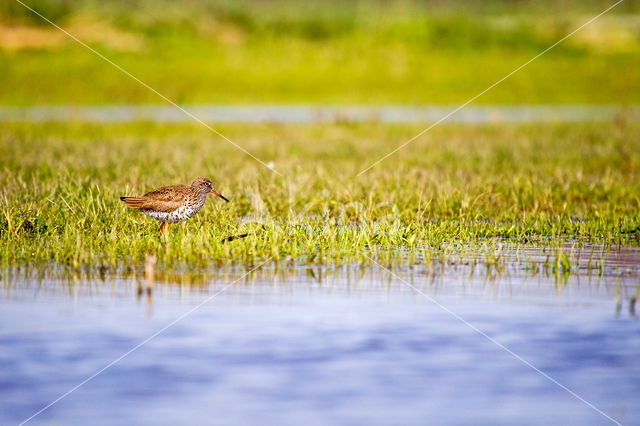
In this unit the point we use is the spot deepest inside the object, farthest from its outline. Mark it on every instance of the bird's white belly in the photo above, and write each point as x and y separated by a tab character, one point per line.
178	215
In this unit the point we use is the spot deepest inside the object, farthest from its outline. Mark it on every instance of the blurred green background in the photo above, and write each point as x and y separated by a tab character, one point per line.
338	52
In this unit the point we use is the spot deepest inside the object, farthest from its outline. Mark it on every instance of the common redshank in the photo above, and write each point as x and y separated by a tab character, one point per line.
173	204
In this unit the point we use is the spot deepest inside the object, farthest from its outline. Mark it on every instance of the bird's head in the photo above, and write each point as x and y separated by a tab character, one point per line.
204	185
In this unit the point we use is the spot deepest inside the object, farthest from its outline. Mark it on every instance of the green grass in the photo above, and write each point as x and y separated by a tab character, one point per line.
459	186
280	51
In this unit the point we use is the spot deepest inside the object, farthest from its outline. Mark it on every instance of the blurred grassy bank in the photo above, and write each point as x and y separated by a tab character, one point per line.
461	185
281	51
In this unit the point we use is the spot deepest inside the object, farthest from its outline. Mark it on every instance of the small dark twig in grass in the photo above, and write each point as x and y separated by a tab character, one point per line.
234	237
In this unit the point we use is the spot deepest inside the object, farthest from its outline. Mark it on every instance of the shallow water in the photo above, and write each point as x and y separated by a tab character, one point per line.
328	345
322	113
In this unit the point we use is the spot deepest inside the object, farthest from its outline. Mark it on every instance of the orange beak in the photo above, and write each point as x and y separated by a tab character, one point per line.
214	192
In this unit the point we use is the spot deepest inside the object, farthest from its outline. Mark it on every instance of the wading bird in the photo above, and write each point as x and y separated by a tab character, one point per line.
173	204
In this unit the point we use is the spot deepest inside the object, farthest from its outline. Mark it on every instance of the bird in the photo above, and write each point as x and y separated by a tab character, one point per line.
173	204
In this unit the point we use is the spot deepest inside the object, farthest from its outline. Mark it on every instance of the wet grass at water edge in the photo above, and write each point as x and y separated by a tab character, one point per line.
460	185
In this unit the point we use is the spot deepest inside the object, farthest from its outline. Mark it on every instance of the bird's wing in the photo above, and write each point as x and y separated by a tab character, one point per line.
165	199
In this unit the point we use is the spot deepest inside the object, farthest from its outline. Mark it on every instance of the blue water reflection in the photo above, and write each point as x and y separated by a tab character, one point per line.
292	350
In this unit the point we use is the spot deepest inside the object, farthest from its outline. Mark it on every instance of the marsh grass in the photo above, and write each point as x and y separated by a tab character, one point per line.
281	51
492	264
460	186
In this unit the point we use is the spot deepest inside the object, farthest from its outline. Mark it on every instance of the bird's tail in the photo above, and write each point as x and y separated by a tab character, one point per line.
133	202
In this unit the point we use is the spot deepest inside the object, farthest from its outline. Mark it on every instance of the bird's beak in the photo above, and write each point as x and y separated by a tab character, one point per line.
214	192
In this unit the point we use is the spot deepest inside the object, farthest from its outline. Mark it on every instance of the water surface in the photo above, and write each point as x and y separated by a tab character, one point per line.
328	345
322	113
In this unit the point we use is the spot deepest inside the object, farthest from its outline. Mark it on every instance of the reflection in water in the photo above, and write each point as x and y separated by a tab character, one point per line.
345	345
149	275
633	300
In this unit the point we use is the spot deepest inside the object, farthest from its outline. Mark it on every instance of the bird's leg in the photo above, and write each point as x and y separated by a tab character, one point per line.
168	228
161	228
